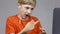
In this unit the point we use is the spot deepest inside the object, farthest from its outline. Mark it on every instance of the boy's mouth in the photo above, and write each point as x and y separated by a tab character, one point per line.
27	15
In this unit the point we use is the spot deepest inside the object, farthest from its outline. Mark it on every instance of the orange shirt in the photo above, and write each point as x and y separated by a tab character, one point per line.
15	25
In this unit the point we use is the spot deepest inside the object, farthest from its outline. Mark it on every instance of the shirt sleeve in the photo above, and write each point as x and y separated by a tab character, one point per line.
9	27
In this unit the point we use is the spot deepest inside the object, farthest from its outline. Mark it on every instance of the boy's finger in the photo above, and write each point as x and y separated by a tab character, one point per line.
36	22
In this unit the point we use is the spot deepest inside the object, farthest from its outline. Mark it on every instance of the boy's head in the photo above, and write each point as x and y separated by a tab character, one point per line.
26	7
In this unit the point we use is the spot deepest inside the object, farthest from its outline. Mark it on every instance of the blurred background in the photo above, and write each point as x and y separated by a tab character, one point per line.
43	11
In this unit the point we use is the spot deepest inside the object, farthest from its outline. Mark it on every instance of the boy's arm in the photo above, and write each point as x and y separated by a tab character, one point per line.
9	27
39	29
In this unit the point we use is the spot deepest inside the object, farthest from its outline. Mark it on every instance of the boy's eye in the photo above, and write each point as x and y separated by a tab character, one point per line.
31	8
27	7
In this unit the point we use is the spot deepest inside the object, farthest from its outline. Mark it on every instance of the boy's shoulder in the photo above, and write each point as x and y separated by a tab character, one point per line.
12	17
34	18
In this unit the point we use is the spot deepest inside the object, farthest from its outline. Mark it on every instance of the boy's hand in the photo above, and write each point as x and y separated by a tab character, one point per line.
29	26
42	31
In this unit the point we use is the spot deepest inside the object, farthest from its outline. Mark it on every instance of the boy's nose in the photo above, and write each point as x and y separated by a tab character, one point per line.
29	11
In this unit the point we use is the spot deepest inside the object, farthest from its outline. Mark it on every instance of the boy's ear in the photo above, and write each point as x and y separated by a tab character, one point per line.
18	5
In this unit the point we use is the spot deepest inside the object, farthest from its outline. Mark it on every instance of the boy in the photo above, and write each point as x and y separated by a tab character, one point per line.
24	23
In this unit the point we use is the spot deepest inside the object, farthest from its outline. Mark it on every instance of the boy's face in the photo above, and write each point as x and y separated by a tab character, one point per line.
26	10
